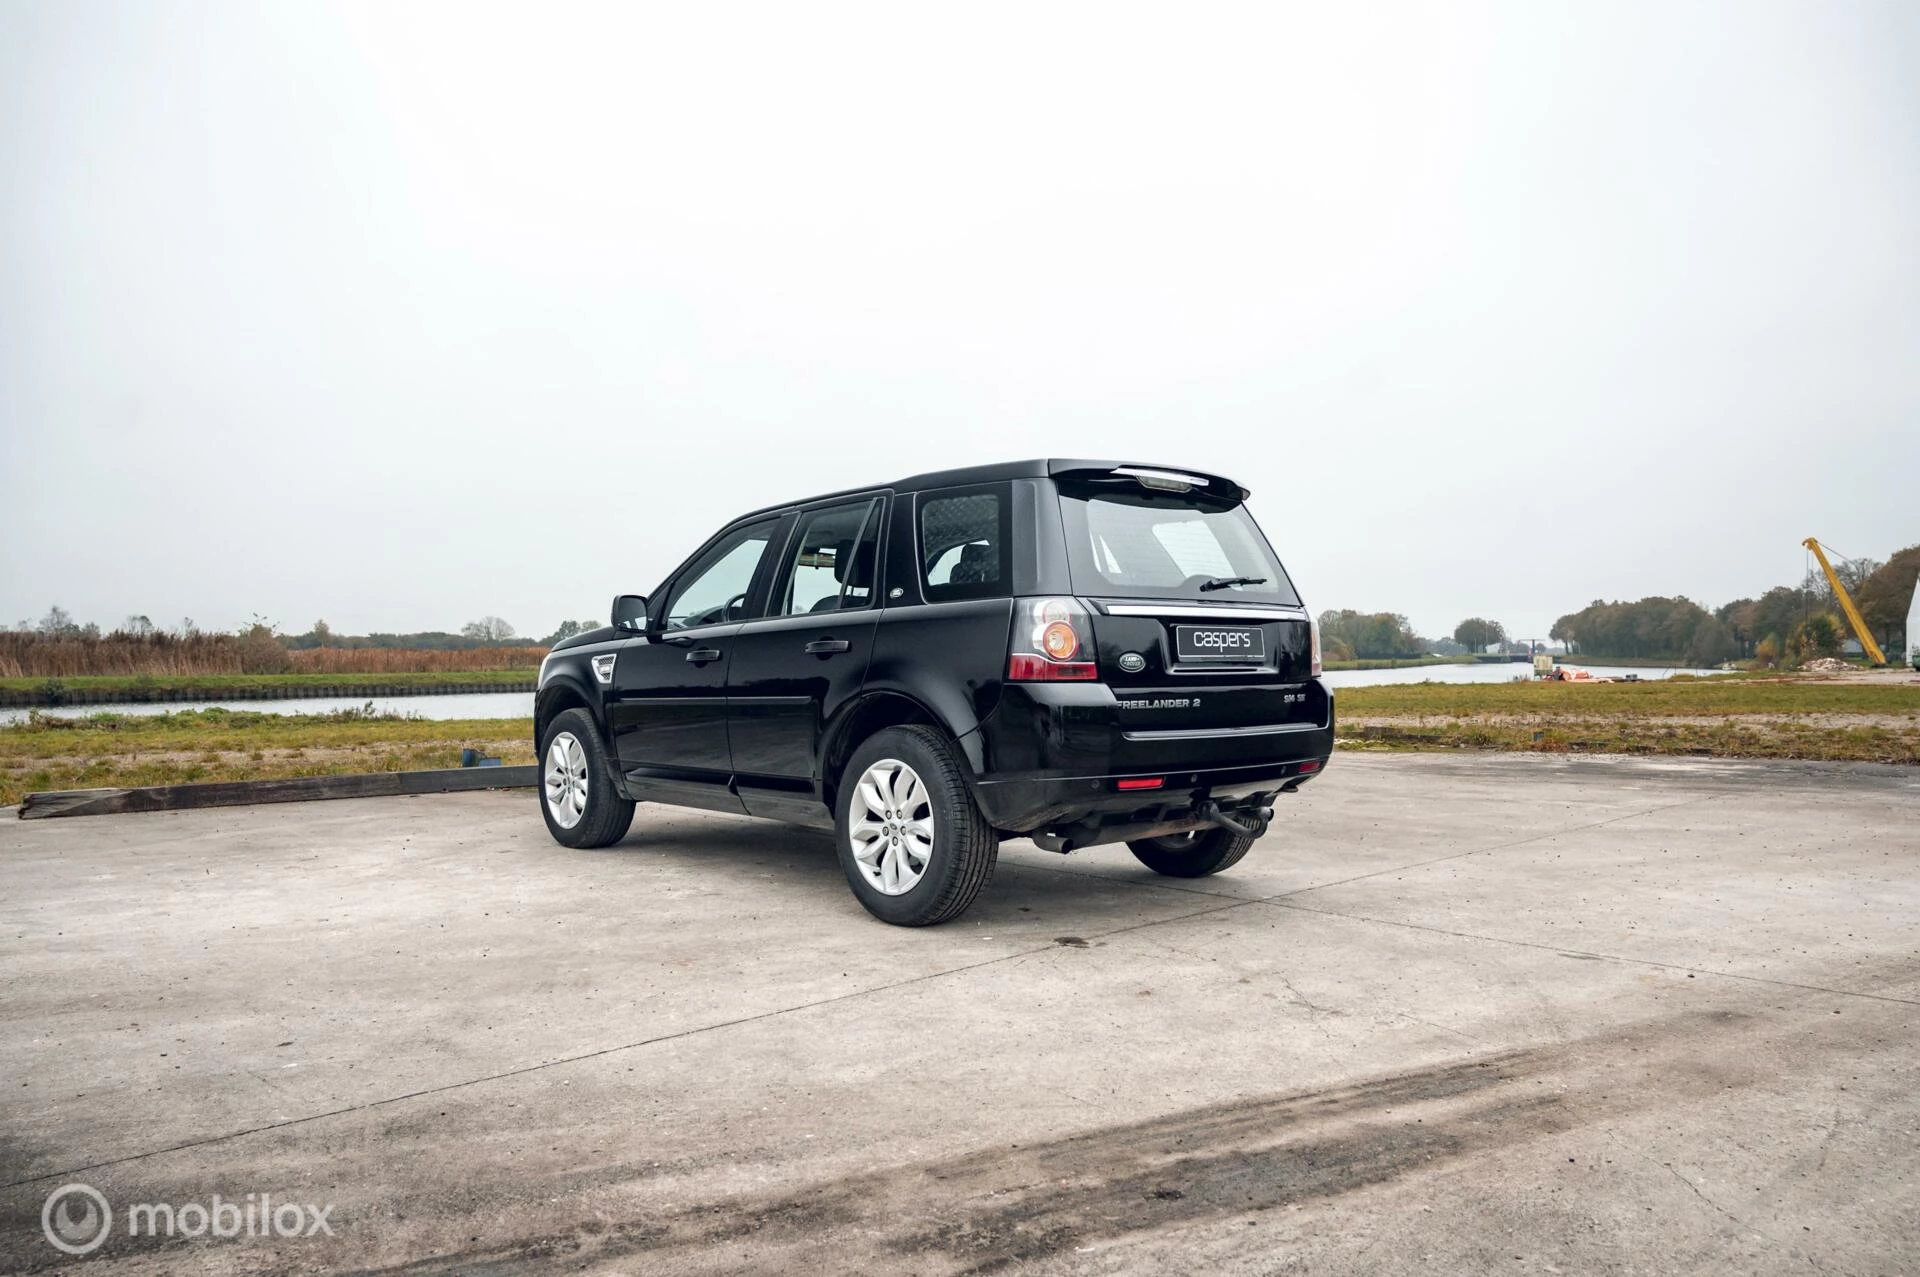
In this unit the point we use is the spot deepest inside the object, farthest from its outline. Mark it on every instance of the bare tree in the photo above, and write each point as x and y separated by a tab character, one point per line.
488	629
58	623
568	629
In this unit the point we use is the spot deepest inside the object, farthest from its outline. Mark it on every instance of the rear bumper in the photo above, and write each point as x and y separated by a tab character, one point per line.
1056	753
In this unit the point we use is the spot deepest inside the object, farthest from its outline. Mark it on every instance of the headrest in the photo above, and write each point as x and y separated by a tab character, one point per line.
853	567
976	561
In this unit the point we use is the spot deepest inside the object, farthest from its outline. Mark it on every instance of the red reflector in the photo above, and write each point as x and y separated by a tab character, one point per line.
1309	767
1024	667
1141	782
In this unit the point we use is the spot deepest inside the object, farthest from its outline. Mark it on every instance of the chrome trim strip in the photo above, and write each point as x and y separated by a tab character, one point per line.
1204	612
1218	733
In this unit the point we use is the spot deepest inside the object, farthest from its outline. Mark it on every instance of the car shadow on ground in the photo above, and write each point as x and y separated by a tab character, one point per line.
806	860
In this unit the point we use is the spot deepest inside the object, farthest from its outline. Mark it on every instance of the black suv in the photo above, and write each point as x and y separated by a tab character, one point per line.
1078	652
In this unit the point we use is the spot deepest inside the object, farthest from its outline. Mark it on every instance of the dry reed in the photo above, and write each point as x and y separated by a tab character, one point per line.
24	655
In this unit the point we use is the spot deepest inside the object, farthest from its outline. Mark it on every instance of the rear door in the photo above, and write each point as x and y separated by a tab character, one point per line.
1196	626
1196	667
806	657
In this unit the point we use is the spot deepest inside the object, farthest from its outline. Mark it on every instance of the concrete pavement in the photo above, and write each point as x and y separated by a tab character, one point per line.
1459	1012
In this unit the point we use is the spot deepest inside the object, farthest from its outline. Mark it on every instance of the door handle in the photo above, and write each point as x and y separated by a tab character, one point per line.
826	647
701	655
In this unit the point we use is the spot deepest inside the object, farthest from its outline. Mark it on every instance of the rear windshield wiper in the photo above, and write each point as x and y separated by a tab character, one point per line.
1221	583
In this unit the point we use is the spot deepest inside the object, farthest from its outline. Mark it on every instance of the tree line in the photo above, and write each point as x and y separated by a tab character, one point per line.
1787	623
487	631
1349	635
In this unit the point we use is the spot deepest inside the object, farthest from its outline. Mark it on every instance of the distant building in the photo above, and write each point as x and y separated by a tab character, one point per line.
1913	629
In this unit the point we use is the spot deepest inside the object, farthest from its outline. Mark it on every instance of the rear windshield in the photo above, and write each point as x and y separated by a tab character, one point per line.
1169	545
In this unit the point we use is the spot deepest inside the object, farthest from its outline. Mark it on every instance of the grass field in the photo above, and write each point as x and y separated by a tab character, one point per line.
1677	697
111	751
1836	719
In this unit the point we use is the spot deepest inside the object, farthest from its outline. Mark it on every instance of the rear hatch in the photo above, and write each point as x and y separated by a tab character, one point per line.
1195	624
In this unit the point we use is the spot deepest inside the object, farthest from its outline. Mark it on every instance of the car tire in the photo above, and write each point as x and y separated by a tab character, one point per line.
576	785
912	841
1194	855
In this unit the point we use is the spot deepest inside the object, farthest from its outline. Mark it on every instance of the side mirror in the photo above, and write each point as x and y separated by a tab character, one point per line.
630	612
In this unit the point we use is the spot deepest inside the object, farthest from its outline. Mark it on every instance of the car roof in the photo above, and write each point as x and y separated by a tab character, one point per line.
1038	468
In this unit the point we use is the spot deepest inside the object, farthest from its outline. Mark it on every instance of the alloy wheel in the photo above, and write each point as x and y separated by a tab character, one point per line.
891	827
566	780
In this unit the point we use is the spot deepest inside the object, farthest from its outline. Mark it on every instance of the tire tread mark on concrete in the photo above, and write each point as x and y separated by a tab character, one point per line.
1005	1207
992	1208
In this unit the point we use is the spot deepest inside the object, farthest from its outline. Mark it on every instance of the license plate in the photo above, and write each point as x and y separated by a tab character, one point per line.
1236	646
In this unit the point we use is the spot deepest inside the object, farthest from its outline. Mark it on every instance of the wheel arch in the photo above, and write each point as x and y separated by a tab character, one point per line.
873	712
556	698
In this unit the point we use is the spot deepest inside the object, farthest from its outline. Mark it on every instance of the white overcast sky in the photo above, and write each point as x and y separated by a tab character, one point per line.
399	314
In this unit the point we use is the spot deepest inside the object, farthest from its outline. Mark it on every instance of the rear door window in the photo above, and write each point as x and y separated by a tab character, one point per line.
1169	545
832	560
963	543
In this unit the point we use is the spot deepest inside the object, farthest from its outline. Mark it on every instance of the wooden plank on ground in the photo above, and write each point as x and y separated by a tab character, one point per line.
240	793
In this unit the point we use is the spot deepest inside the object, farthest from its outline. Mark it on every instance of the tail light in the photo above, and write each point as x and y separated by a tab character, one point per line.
1052	642
1313	627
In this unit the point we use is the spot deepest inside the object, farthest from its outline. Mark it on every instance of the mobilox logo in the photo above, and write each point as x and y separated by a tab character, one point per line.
77	1218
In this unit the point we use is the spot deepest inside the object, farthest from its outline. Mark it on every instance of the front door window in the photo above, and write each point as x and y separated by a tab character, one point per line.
715	588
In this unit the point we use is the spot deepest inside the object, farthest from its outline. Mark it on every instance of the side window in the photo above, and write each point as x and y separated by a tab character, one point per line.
832	565
963	544
715	587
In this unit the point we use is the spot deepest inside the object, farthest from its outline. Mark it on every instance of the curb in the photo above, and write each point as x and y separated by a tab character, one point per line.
298	789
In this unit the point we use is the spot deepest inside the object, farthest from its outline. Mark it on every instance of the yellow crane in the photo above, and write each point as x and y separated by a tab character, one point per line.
1859	623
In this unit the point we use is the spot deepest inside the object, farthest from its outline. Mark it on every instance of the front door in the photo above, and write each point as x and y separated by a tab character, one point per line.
792	669
668	712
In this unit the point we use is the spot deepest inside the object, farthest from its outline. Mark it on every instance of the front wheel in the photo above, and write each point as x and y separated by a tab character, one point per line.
576	789
913	844
1192	855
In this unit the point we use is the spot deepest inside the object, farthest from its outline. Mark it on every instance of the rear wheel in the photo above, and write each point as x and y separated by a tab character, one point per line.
913	844
1192	855
576	789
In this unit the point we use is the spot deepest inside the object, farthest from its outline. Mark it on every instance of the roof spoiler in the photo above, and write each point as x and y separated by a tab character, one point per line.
1155	477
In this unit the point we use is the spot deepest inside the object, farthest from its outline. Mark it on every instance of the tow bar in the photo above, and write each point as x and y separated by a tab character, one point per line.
1250	821
1209	811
